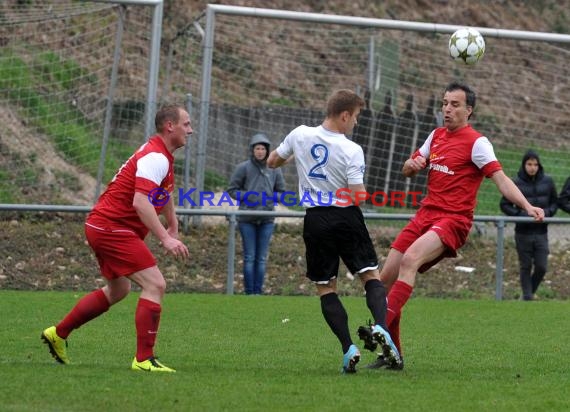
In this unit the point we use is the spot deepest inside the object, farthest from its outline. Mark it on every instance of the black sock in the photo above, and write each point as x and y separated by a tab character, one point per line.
376	301
337	319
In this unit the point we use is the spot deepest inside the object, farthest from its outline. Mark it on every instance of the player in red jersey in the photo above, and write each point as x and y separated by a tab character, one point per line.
115	230
457	157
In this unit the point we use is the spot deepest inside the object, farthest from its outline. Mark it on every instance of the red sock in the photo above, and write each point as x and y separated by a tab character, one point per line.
397	298
394	330
89	307
147	318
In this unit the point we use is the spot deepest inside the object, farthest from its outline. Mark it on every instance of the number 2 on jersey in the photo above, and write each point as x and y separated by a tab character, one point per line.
320	153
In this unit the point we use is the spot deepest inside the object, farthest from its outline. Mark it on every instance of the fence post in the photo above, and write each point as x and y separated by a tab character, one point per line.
231	253
500	259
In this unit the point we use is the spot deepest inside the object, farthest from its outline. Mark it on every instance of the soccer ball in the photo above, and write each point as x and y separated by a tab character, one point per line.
466	45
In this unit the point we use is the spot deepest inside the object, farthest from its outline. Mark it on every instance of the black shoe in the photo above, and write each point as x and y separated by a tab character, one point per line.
381	362
365	334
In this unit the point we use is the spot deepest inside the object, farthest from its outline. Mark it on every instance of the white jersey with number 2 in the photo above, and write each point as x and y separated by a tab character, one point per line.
326	162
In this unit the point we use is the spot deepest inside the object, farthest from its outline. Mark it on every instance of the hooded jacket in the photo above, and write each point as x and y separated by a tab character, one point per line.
564	197
254	176
539	190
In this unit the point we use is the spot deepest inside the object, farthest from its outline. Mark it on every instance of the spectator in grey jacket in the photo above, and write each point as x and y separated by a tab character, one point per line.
532	238
256	187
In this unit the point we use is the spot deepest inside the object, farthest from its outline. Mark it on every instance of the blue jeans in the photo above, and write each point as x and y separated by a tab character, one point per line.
256	239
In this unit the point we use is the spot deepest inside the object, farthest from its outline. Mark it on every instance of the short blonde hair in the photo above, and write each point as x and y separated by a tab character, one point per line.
170	113
343	100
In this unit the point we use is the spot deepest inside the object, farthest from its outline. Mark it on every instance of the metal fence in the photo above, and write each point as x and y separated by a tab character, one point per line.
231	217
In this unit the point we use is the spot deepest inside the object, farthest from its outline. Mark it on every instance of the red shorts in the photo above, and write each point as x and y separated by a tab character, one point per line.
119	252
451	228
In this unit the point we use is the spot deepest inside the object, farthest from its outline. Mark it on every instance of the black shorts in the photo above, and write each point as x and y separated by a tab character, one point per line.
334	232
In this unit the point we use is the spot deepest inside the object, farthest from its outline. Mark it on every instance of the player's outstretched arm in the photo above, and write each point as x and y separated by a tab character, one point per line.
512	193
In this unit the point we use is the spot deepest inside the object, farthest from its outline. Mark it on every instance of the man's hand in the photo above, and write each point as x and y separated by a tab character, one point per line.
536	212
175	247
413	166
418	163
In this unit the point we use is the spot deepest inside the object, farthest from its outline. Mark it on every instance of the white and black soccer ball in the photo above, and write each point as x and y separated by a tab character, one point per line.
466	46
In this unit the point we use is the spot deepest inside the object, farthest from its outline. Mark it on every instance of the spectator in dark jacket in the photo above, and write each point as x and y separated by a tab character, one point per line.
532	238
564	197
256	186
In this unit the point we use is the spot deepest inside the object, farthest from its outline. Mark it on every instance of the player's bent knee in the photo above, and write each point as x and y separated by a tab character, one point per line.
410	263
155	285
150	280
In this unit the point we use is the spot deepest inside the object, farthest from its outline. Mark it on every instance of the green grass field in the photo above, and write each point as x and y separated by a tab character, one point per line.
235	353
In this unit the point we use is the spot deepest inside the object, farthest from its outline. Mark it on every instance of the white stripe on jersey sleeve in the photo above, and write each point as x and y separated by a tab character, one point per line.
482	152
425	149
152	166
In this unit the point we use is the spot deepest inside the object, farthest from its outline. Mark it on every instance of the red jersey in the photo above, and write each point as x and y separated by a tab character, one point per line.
457	161
150	167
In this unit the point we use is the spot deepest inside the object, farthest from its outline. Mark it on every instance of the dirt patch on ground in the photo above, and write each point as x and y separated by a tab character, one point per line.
48	252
